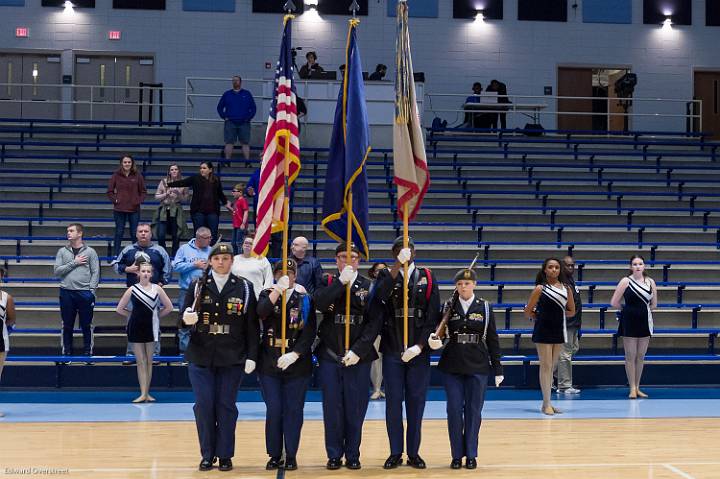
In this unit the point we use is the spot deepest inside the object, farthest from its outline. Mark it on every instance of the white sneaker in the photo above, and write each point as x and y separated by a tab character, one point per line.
570	390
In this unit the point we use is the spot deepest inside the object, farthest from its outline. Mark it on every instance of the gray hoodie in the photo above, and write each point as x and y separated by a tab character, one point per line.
74	276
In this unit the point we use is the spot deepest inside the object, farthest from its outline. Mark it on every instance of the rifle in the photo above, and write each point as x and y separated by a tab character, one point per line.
440	331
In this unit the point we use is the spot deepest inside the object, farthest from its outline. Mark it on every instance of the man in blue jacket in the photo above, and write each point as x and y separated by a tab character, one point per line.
237	108
190	262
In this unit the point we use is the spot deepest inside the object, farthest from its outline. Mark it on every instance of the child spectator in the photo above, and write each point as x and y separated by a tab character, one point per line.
240	217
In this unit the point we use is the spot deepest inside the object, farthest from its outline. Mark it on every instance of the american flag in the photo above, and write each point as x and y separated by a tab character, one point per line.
282	124
409	160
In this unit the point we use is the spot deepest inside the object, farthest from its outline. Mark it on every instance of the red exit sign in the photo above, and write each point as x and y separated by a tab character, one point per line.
21	32
114	35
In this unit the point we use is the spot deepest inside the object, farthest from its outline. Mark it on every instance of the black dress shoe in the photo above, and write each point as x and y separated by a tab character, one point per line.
470	463
393	461
456	464
207	464
273	463
225	464
353	464
416	462
290	464
334	463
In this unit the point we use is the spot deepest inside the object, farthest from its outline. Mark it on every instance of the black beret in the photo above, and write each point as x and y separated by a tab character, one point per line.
342	248
465	274
398	243
221	248
291	266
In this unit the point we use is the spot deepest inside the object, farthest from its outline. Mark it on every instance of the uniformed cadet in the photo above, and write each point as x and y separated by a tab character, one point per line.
284	378
223	343
471	353
406	371
344	375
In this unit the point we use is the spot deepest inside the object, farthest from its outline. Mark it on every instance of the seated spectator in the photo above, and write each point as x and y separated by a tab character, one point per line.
190	262
311	67
309	270
257	270
78	267
126	191
379	73
476	120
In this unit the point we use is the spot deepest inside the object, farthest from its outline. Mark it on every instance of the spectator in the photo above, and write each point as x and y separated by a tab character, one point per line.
7	320
501	89
78	267
149	304
190	262
126	190
572	345
169	216
309	270
240	217
476	119
143	251
256	270
379	73
311	67
237	108
207	197
376	367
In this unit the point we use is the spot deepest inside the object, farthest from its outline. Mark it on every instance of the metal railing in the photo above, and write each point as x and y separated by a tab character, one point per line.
644	113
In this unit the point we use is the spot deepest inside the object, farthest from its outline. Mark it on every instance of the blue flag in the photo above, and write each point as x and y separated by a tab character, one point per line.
349	149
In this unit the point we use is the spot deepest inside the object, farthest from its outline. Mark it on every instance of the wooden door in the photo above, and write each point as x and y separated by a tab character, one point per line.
574	82
707	89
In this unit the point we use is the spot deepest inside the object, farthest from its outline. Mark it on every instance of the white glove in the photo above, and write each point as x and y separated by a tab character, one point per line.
499	380
350	359
287	359
190	317
410	353
434	342
282	284
249	366
347	274
404	255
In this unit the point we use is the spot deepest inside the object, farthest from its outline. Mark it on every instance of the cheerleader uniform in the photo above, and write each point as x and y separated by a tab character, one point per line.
636	319
144	323
4	337
550	323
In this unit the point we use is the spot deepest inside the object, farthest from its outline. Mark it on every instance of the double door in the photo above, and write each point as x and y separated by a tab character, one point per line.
111	82
30	85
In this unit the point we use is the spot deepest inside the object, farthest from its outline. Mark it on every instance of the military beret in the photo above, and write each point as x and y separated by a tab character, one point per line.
342	248
221	248
142	257
291	266
465	274
398	243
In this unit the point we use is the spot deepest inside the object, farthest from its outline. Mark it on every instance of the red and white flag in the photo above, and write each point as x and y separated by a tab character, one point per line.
409	160
281	137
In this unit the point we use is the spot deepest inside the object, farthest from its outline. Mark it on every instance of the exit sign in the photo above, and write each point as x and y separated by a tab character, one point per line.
21	32
114	35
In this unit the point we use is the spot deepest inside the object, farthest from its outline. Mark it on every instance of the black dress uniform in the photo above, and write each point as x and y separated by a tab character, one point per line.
345	388
284	390
409	381
225	336
470	355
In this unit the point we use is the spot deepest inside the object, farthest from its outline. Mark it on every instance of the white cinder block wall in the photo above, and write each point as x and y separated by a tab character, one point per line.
453	53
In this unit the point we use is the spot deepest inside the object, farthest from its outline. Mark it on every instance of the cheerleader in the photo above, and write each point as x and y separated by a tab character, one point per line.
7	319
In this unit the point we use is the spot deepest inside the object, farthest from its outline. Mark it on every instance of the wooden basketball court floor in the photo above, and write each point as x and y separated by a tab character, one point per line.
81	441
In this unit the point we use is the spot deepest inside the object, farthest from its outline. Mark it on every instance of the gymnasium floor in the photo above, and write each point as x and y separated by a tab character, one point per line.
600	435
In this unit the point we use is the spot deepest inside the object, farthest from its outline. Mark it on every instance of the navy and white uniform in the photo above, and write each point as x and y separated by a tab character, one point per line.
284	391
636	319
345	389
4	337
226	334
406	382
144	323
550	321
471	353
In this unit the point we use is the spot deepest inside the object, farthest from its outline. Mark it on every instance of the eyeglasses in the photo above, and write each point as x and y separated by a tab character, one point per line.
205	237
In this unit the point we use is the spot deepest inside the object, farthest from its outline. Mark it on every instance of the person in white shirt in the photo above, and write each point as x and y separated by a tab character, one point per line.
256	270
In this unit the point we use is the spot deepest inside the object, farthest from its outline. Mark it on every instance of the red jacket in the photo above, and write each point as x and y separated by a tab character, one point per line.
126	192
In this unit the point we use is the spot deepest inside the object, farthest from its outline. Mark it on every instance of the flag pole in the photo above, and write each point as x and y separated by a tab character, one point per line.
405	277
348	252
286	220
